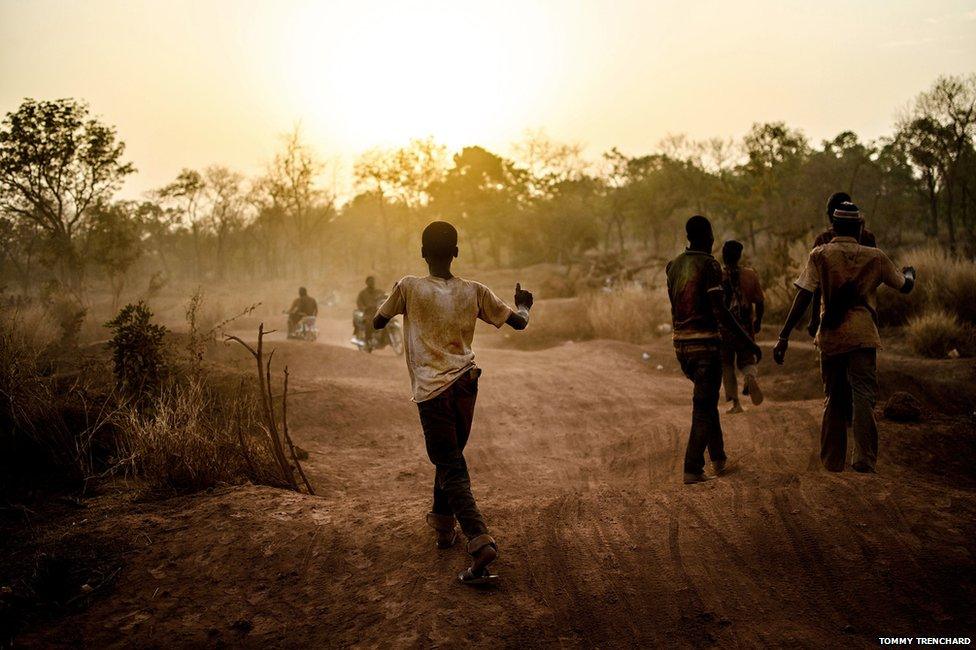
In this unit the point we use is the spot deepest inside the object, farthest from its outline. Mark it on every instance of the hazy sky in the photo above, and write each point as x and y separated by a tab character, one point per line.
191	83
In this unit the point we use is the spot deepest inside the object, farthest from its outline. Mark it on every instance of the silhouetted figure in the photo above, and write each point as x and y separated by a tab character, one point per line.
367	301
849	274
439	316
744	298
304	305
866	238
697	310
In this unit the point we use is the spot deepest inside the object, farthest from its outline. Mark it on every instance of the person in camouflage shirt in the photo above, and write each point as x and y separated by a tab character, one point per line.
697	310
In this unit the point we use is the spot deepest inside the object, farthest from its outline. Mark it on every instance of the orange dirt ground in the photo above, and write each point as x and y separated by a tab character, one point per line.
576	462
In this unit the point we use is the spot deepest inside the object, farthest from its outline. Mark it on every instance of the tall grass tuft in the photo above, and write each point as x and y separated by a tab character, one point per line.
630	313
197	437
937	333
946	283
53	420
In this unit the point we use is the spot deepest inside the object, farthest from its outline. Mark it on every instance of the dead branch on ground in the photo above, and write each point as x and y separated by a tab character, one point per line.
276	434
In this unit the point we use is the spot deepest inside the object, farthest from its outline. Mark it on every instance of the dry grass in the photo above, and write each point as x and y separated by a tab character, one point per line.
197	437
629	313
53	417
937	333
62	424
945	283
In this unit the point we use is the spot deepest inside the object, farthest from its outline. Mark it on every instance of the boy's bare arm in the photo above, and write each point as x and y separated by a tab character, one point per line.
800	303
519	319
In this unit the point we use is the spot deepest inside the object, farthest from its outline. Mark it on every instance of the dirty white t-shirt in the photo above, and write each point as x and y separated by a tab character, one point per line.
438	326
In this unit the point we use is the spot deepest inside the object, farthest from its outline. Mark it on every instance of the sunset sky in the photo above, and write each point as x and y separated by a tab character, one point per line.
191	83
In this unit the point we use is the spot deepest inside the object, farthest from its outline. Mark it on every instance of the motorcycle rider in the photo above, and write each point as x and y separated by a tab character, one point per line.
367	301
304	305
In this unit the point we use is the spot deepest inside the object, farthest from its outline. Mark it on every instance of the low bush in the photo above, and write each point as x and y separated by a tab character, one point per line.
137	351
938	332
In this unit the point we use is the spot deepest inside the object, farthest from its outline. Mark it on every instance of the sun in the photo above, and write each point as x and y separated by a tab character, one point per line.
386	73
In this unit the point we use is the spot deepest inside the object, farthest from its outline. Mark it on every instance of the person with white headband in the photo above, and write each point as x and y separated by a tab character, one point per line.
848	274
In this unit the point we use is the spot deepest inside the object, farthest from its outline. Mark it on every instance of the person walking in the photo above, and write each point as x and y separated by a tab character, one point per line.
744	298
848	273
697	310
866	238
439	315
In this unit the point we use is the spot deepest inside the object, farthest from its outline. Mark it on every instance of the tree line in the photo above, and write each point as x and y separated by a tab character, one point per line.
62	227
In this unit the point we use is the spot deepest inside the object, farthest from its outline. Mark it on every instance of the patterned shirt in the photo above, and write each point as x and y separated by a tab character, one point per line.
691	277
861	268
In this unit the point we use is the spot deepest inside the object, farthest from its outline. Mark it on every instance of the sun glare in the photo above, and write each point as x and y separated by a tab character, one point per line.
400	71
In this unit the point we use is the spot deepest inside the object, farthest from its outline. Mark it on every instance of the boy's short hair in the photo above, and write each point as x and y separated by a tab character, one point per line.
732	251
698	228
439	239
847	219
302	291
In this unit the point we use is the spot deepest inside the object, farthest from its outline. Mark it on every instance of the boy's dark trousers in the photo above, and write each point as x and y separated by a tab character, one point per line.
851	386
446	420
701	361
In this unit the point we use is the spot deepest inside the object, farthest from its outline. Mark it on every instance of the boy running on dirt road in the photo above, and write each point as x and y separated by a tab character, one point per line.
849	274
697	309
439	315
744	298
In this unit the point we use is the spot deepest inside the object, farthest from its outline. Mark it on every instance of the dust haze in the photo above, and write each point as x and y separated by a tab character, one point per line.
194	454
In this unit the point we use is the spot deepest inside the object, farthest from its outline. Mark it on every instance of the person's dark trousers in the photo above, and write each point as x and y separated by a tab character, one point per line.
851	387
702	364
446	420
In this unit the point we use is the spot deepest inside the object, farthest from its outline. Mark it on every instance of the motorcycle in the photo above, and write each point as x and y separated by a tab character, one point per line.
305	330
391	335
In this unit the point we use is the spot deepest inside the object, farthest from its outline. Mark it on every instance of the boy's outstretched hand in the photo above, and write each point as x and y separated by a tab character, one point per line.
523	298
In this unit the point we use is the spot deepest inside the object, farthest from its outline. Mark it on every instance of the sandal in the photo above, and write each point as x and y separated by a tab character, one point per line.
484	551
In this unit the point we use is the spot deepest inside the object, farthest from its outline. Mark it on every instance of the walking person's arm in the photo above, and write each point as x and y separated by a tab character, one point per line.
395	304
801	301
519	319
728	321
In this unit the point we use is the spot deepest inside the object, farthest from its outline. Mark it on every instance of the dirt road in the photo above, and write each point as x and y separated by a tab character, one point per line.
576	461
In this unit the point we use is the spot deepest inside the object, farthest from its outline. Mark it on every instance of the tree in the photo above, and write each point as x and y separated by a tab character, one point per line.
400	178
114	243
225	213
289	190
548	162
939	132
481	194
774	154
56	164
183	197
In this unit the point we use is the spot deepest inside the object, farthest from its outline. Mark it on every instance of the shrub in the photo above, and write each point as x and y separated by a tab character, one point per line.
137	350
938	332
